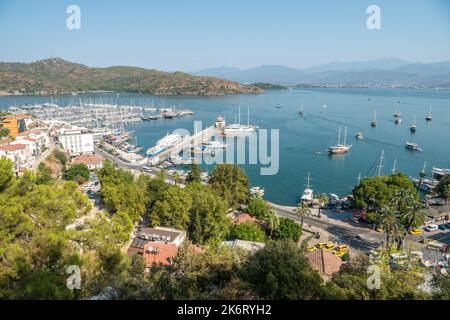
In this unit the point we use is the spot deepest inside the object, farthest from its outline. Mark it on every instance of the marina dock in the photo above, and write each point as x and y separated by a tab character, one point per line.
194	140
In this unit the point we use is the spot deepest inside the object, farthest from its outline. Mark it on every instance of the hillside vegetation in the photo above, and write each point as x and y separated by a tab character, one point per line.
55	75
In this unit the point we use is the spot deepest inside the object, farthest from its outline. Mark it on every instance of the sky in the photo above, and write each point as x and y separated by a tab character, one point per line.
190	35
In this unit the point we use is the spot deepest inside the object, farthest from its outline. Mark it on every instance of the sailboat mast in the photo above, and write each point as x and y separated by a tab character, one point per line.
239	114
345	136
339	136
380	166
394	169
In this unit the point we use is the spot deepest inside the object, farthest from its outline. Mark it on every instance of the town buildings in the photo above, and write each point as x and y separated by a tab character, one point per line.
76	140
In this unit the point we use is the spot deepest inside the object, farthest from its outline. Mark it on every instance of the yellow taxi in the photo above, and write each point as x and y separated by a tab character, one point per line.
311	249
339	253
415	232
342	247
329	246
321	245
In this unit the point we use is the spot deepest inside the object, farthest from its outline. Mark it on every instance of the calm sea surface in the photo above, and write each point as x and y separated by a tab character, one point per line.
304	141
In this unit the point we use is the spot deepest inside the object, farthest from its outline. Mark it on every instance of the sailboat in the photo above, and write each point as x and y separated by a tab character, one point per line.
340	148
237	128
301	112
307	196
413	126
429	116
374	120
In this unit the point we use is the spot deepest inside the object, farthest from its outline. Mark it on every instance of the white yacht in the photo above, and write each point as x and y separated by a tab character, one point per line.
237	128
340	148
163	144
308	194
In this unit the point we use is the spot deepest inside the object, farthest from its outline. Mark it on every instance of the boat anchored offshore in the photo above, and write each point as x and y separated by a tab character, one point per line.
413	126
301	112
340	148
412	146
359	136
374	120
398	120
278	106
429	116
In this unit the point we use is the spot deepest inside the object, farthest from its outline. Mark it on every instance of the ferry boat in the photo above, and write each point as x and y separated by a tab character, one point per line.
429	116
340	148
412	146
163	144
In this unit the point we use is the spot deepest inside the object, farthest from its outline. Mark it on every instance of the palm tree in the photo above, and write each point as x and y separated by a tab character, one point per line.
323	201
302	211
446	193
413	216
272	220
403	200
176	177
390	223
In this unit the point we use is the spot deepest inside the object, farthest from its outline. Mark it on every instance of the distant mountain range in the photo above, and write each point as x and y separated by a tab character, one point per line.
56	75
380	72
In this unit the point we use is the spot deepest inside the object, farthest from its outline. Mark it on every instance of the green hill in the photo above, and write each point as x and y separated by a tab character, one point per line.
53	76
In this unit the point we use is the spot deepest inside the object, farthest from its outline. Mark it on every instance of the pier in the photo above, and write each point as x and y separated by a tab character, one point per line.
194	140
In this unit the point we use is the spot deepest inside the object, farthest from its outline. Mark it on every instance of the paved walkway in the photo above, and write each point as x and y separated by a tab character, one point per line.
42	157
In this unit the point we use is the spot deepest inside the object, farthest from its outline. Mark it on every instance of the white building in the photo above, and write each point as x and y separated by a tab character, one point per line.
76	140
41	136
19	154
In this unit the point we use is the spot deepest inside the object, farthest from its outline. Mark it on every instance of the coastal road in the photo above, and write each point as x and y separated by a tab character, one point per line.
361	239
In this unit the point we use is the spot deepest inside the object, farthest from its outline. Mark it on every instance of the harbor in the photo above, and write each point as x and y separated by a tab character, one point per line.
304	140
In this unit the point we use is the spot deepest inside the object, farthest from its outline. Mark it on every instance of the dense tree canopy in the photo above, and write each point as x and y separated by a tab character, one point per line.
231	183
208	222
376	192
172	209
78	173
281	271
287	229
247	231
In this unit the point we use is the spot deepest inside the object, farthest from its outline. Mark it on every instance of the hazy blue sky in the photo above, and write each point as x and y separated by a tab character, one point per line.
191	35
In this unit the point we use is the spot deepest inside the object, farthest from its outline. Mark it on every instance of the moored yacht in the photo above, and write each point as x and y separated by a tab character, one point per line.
308	194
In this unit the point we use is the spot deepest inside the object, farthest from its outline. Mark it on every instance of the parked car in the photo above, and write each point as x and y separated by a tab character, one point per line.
431	227
442	227
415	232
447	225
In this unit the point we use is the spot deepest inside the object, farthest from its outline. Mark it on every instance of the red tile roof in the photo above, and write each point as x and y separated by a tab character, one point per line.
13	147
25	133
159	253
30	139
325	262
